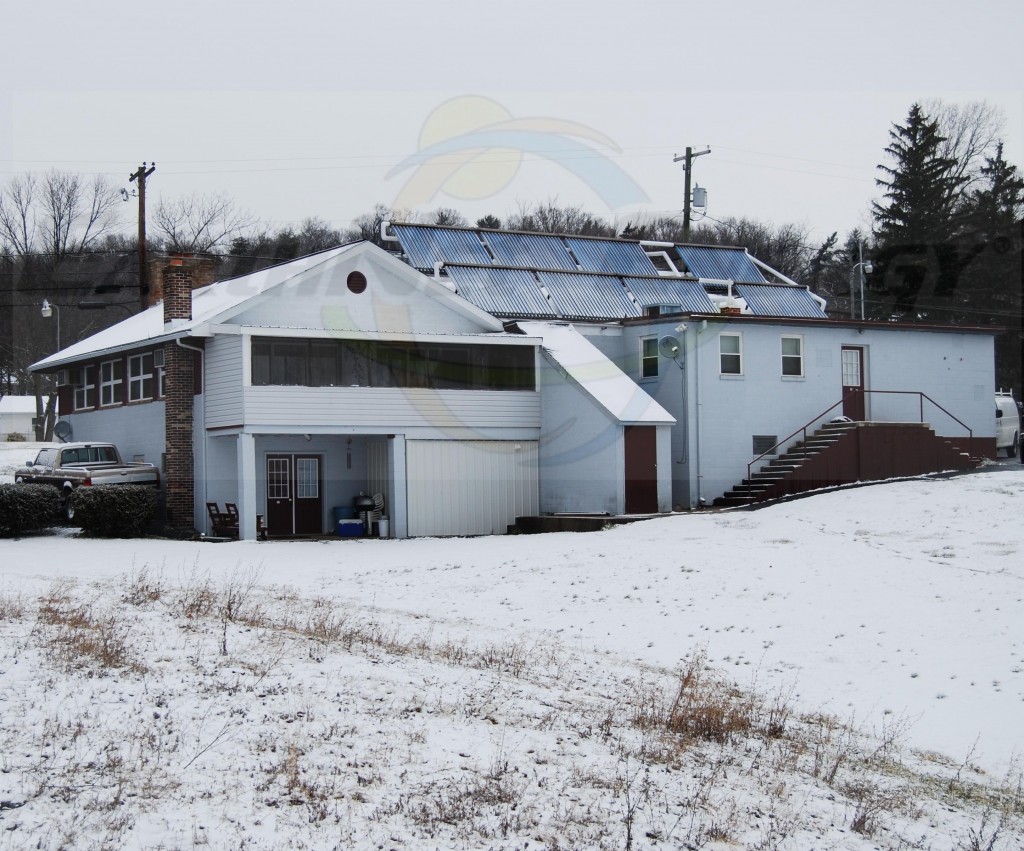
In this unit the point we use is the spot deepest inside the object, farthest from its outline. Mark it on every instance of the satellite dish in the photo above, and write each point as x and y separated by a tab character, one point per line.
668	346
62	430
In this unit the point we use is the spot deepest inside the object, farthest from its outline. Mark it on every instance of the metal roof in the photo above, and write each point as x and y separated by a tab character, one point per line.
426	245
609	255
779	300
689	295
708	261
578	295
529	250
511	292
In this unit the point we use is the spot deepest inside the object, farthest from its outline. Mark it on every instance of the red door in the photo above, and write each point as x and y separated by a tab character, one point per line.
294	496
853	383
641	450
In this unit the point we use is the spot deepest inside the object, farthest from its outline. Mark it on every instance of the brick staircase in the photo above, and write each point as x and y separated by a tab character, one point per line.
846	452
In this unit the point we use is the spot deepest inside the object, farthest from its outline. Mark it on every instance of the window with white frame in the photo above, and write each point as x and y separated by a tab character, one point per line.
111	381
649	357
792	356
140	378
85	388
730	349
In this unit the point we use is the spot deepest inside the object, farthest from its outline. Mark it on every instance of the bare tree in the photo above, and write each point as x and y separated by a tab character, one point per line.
549	217
970	133
199	224
46	224
59	214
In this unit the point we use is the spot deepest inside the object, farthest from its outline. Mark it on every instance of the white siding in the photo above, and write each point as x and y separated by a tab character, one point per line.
469	487
223	380
390	408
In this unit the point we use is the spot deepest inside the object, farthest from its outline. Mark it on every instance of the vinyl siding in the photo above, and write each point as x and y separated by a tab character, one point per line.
223	381
390	408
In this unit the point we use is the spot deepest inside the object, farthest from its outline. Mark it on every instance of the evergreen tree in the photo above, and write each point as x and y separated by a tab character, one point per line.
920	185
914	228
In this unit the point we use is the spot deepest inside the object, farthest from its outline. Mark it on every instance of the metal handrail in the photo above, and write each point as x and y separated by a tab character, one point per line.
921	397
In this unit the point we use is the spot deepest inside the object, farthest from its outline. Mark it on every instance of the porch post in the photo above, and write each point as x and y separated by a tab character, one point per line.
246	487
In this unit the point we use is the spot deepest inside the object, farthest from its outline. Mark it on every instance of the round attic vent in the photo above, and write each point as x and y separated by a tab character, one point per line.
356	282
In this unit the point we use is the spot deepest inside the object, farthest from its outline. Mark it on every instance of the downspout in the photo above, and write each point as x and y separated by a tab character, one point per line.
700	411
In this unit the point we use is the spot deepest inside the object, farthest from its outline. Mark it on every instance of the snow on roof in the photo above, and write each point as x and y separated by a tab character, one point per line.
207	304
18	405
608	385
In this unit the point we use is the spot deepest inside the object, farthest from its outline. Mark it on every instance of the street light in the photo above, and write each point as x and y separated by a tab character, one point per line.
47	312
863	267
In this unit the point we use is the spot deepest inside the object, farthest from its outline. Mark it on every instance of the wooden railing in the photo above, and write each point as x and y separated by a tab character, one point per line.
811	422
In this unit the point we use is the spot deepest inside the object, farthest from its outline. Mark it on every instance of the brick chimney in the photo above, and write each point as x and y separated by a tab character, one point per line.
203	269
179	392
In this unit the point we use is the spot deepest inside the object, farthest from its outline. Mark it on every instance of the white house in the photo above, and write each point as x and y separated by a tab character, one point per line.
16	415
475	376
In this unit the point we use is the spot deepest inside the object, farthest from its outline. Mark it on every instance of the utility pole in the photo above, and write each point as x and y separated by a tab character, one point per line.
688	157
141	176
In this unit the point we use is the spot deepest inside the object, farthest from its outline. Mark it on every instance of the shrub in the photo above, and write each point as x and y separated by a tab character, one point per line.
24	507
15	437
115	511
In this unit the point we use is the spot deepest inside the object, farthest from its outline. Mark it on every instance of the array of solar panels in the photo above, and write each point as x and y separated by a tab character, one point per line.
545	276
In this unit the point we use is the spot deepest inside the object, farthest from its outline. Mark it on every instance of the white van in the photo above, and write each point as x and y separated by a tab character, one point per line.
1007	423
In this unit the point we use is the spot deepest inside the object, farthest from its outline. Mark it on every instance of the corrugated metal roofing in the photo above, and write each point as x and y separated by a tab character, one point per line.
578	295
425	245
529	251
779	300
689	295
510	292
733	264
607	255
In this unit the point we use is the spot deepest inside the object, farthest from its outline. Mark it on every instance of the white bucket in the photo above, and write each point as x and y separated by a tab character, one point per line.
383	527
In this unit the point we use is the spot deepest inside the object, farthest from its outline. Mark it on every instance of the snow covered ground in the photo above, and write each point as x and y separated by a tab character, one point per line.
510	692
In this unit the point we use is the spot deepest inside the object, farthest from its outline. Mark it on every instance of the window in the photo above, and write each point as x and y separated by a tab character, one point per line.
369	363
793	356
731	354
85	388
111	379
140	378
649	357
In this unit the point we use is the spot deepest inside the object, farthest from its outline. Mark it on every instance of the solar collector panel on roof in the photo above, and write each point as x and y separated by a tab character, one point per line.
425	246
578	295
509	292
730	264
689	295
608	255
529	251
779	300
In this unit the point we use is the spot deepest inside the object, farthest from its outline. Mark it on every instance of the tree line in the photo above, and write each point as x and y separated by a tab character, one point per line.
944	244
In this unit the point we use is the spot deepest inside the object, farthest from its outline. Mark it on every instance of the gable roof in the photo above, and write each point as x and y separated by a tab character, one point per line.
222	300
603	381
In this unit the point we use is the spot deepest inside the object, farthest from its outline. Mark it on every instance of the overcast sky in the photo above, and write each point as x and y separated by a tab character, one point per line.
323	109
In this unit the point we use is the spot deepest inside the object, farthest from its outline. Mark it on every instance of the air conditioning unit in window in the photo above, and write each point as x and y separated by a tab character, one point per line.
158	358
63	377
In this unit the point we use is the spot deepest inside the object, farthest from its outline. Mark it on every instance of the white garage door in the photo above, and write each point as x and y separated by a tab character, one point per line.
470	487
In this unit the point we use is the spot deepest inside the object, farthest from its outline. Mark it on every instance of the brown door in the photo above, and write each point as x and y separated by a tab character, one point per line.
641	470
853	383
294	495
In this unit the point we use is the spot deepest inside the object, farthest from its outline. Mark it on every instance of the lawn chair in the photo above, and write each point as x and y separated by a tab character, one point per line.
220	522
232	515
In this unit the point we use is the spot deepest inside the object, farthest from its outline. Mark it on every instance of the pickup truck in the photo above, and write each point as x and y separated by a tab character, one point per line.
75	465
